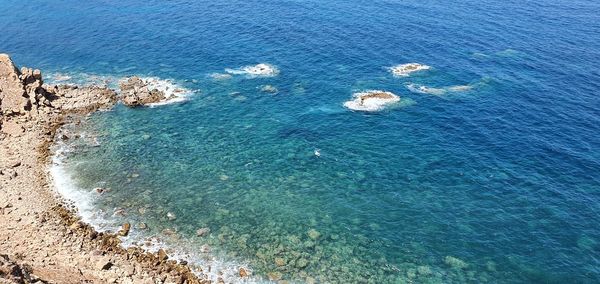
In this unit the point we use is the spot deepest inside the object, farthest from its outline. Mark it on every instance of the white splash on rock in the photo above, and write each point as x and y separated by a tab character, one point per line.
258	70
404	70
373	100
174	93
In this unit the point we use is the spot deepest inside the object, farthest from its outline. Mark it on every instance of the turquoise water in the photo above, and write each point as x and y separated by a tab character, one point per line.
499	183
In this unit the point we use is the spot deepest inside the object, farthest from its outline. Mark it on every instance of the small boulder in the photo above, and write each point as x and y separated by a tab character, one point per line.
274	276
244	272
124	230
162	255
202	232
313	234
279	261
171	216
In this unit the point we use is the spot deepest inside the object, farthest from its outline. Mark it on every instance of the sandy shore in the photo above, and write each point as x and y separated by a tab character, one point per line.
41	239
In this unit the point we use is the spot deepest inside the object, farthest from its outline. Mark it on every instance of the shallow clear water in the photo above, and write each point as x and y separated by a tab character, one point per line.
500	183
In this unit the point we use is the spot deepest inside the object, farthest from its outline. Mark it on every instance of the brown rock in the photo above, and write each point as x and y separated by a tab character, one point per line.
162	255
76	225
244	272
124	230
136	92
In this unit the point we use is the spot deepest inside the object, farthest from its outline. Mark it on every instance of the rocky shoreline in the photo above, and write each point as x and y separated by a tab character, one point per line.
42	240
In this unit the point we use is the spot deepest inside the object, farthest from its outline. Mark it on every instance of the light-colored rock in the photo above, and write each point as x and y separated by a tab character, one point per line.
313	234
203	232
455	262
171	216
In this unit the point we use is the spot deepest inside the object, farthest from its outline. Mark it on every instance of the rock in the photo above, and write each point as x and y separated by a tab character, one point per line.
313	234
455	263
244	272
12	128
424	270
280	261
119	212
274	276
404	70
202	232
99	190
171	216
76	225
13	94
124	230
372	100
104	264
142	226
162	255
135	92
301	263
169	232
82	99
205	249
269	89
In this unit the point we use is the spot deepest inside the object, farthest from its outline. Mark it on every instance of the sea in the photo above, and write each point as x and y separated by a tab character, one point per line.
487	169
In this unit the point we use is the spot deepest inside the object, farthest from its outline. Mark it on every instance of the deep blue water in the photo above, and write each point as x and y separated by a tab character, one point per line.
497	184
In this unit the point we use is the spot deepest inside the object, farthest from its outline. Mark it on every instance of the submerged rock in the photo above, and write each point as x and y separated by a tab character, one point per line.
274	276
269	89
258	70
313	234
404	70
136	92
371	100
202	232
455	263
171	216
280	261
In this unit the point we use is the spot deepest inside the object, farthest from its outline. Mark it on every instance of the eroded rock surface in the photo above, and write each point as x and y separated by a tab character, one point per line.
136	92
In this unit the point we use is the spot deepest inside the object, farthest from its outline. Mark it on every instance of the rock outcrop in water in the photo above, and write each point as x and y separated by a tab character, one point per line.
404	70
371	100
137	92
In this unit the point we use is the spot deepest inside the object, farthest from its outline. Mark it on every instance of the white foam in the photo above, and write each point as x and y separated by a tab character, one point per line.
460	88
65	185
174	93
362	102
404	70
220	76
252	71
178	248
422	89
